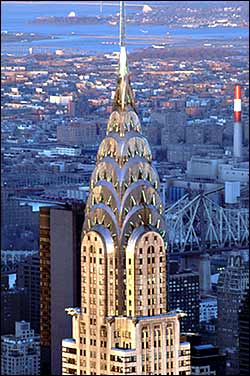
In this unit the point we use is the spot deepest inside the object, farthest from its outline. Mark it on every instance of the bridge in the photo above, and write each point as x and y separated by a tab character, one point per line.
199	223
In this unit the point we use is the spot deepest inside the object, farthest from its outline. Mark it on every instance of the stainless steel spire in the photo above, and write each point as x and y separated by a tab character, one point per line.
123	255
123	65
124	98
122	23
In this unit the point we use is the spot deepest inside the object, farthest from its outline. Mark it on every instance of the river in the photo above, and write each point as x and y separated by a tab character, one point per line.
17	17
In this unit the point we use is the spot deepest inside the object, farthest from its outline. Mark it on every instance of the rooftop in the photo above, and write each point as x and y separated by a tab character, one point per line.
204	347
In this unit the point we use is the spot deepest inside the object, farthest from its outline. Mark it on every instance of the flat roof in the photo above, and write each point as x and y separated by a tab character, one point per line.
204	347
70	340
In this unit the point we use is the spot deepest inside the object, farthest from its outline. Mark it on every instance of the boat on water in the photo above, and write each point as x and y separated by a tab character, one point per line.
113	43
158	45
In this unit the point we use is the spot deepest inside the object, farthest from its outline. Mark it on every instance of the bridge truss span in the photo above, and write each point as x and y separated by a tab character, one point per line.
200	223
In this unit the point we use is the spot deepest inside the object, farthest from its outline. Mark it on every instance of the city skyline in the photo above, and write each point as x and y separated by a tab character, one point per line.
153	159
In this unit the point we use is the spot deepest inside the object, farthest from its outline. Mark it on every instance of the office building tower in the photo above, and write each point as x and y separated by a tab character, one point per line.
123	325
231	285
28	278
183	292
14	302
60	239
244	334
20	353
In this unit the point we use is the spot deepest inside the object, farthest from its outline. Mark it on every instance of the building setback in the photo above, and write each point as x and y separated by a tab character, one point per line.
60	237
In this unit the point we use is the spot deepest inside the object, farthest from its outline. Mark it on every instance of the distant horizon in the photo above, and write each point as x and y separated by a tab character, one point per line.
110	2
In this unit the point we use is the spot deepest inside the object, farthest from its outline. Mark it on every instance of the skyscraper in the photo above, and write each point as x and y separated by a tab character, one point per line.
28	278
123	325
244	334
185	283
232	283
60	243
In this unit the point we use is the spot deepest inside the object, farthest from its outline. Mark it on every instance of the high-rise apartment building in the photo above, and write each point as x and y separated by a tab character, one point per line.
185	284
14	303
28	278
60	242
244	334
167	127
123	326
20	353
231	285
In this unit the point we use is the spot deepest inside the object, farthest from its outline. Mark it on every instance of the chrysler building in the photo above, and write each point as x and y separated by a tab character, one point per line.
123	326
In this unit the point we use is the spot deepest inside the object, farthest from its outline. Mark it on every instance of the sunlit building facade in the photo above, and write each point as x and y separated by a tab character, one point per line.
123	325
